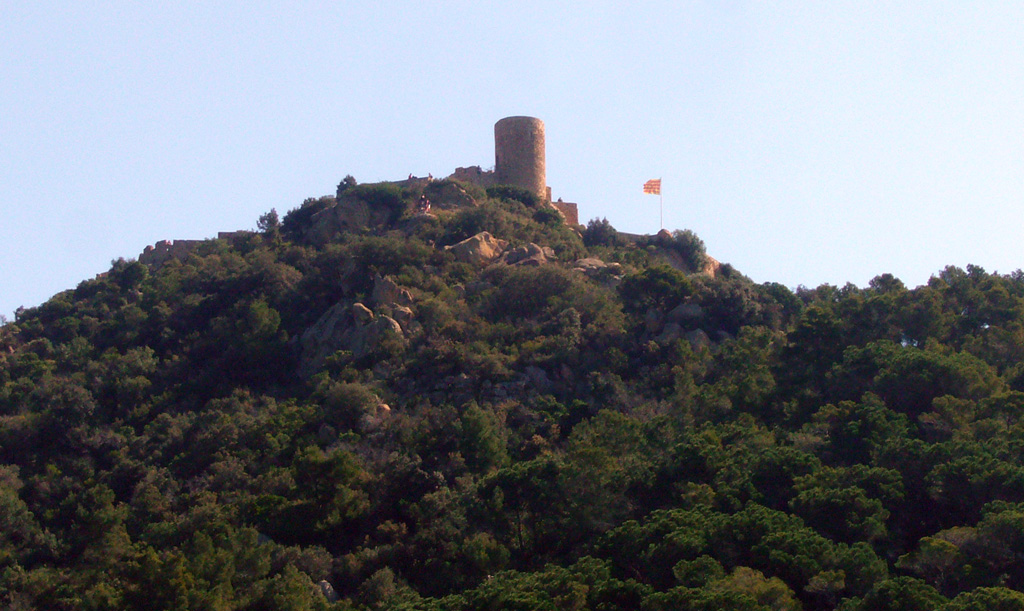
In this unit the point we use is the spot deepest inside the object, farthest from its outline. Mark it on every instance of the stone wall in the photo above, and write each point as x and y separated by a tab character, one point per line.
165	250
474	175
233	237
569	211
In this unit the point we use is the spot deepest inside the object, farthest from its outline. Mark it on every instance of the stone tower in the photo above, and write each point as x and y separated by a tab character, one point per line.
519	154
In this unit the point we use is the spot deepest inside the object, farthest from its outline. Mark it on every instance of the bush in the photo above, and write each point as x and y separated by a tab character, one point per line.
382	196
690	248
298	219
518	194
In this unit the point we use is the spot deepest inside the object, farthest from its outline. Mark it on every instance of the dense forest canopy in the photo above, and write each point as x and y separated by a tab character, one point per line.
365	405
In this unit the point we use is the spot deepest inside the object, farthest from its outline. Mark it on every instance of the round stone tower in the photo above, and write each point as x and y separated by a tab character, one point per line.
519	154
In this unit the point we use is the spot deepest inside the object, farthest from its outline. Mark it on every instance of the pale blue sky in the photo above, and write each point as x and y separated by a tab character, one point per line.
805	142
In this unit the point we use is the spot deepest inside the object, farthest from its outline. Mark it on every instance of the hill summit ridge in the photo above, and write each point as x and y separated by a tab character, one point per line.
438	395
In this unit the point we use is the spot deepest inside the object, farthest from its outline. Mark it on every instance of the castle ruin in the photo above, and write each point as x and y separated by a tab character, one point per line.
519	154
520	161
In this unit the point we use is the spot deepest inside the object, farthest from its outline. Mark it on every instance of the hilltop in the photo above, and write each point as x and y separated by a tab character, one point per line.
370	403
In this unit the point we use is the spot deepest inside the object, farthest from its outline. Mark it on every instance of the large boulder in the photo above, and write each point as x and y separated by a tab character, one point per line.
480	249
686	312
386	292
328	591
669	333
712	268
361	314
529	255
349	214
365	338
589	265
596	269
447	195
654	320
324	337
698	339
403	315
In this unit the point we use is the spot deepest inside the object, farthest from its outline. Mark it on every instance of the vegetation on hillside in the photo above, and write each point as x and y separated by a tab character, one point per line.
230	430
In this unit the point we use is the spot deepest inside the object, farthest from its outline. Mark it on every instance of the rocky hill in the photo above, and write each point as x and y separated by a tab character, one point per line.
371	403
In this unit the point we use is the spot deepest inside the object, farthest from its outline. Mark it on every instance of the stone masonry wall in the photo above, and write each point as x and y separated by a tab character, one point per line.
519	154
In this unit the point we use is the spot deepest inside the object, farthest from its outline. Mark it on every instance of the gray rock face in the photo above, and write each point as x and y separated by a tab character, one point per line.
363	339
480	249
671	332
323	338
361	314
402	314
609	274
685	312
328	591
589	264
386	292
698	339
448	195
346	215
354	328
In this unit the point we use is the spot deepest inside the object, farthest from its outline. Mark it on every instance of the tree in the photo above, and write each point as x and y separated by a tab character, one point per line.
347	183
690	248
898	594
270	226
600	233
989	599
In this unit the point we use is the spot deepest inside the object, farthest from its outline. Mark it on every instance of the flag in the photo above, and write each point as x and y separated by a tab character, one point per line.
653	186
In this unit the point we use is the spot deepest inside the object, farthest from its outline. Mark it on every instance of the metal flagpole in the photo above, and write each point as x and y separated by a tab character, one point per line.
661	208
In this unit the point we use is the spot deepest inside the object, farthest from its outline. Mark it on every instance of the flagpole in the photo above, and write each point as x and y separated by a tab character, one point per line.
661	208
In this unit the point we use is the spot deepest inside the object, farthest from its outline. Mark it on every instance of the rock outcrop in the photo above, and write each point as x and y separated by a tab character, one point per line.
354	328
685	312
712	268
447	195
328	591
386	292
346	215
481	249
609	274
530	255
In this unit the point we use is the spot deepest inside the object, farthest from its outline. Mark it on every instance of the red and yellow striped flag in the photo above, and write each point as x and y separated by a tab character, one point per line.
653	186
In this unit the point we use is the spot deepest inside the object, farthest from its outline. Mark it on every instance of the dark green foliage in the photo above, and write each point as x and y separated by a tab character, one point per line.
690	247
600	233
990	599
225	430
270	225
297	219
513	220
898	594
382	196
347	183
655	287
508	192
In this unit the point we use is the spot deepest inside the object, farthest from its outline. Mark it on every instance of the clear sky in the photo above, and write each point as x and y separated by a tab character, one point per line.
805	142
